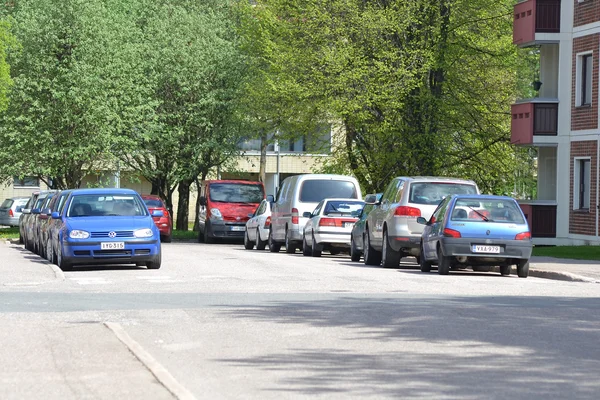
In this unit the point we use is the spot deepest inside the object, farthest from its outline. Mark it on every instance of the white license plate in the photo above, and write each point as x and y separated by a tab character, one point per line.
479	248
238	228
348	224
112	245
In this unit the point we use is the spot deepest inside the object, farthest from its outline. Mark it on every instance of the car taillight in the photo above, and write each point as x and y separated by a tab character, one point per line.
451	233
10	213
268	222
405	211
329	222
295	218
523	236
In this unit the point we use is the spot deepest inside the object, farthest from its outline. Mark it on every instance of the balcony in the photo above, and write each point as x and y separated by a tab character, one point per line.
533	17
537	117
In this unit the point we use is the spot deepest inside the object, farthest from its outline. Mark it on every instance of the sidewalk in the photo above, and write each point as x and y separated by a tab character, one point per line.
565	269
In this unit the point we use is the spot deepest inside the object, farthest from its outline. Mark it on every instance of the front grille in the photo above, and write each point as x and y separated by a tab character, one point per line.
120	234
142	252
82	252
112	253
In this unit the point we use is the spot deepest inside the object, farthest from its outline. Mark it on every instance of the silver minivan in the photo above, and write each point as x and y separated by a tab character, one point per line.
392	230
299	194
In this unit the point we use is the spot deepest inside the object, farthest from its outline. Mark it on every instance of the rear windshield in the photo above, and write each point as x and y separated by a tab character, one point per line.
432	193
106	204
6	203
343	208
236	193
501	210
313	191
154	203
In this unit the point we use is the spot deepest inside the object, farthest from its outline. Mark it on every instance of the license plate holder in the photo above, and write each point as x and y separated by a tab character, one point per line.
238	228
484	248
112	245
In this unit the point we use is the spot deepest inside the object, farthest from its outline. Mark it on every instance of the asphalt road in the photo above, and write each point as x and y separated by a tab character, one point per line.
221	322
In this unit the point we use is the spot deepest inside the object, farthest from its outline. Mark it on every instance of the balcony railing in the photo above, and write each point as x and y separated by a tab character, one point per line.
533	118
535	16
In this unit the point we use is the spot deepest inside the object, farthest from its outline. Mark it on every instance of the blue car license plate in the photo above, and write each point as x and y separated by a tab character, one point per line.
481	248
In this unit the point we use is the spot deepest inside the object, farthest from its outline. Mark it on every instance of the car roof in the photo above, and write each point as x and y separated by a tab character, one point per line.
434	179
103	191
150	196
483	197
343	199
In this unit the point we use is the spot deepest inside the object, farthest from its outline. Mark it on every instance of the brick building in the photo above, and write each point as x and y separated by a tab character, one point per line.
562	121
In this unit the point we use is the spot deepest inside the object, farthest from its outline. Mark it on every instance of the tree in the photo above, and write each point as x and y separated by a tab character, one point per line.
76	87
6	41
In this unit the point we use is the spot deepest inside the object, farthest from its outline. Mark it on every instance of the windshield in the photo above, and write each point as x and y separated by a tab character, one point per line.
315	190
154	203
236	193
432	193
87	205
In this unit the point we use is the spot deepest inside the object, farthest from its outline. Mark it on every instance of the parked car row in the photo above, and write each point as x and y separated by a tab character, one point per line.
94	226
440	221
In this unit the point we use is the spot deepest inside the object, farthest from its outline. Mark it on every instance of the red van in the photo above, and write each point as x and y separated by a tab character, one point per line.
225	206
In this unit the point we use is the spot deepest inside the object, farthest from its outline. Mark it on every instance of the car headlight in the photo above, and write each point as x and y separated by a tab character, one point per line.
216	213
77	234
143	233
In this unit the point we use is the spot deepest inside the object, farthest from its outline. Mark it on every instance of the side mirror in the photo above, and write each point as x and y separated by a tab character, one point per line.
306	214
202	201
421	220
158	213
26	211
270	198
35	211
55	215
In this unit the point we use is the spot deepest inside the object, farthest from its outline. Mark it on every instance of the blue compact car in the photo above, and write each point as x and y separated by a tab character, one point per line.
104	226
476	231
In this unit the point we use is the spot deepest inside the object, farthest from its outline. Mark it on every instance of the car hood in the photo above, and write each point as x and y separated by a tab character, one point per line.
113	223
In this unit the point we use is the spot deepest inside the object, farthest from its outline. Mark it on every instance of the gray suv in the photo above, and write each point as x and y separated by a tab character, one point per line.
391	230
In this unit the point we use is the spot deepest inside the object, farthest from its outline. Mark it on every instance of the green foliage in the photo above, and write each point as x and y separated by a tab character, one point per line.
6	41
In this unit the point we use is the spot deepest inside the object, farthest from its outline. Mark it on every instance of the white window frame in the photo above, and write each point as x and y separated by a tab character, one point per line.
577	164
579	79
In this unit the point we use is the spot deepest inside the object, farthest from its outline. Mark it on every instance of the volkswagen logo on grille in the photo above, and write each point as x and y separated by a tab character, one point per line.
112	234
238	218
487	232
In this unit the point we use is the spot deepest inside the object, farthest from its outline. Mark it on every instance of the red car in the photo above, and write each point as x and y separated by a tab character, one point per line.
164	223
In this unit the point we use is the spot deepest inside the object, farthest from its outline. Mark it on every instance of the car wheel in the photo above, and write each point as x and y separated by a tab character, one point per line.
166	239
505	270
290	248
61	262
260	244
390	258
371	256
443	262
425	265
200	235
523	268
354	253
20	238
248	245
315	249
155	264
207	238
274	247
306	251
49	254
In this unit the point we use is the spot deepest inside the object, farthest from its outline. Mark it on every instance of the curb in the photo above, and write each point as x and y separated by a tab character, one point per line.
554	275
58	273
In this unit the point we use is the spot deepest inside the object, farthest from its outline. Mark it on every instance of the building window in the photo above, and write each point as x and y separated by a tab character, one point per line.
582	184
584	79
26	181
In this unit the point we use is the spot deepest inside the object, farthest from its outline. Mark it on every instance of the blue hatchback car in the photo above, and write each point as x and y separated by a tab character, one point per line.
476	231
105	226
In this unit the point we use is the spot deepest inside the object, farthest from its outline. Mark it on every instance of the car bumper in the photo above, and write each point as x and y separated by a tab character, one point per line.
9	221
164	227
90	252
339	239
509	249
223	229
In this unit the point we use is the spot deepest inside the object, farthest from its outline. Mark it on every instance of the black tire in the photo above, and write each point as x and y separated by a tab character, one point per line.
200	235
523	268
207	238
390	258
505	270
260	244
290	248
425	265
443	262
355	254
315	248
61	262
166	239
371	256
274	247
306	251
155	264
20	238
248	245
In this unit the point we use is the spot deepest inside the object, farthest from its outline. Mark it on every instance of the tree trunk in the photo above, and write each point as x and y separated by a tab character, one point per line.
262	171
183	204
